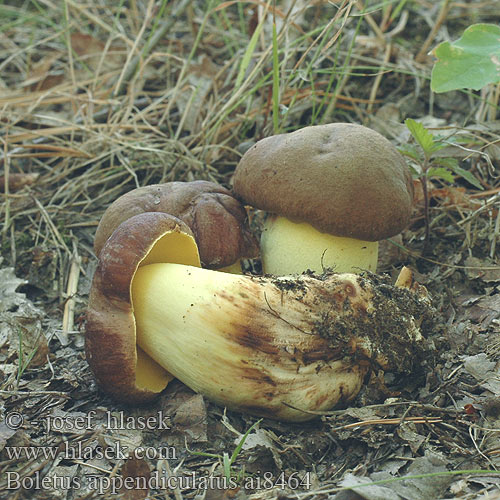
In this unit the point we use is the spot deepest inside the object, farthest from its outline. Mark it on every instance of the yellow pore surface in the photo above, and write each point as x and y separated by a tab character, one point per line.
172	247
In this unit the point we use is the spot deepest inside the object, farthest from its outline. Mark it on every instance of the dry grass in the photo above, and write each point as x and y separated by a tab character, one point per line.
99	97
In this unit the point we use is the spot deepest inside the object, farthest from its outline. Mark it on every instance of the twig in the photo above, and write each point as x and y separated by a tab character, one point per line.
422	54
69	308
390	421
378	78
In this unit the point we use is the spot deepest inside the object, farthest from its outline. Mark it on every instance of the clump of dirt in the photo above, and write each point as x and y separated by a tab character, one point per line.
393	334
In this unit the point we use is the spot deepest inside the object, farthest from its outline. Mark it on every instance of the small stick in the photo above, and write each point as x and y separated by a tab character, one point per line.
68	322
496	233
430	37
378	78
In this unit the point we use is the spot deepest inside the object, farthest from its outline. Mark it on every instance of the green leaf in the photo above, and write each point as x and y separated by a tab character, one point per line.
410	151
423	137
471	62
465	174
446	162
242	440
416	174
226	465
440	173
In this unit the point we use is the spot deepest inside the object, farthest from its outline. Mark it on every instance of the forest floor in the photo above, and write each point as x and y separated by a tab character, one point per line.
98	98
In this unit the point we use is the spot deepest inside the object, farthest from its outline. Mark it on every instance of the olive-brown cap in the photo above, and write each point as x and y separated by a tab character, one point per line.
216	218
119	367
342	178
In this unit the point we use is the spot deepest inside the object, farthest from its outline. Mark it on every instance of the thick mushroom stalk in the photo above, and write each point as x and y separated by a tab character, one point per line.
252	344
309	249
275	347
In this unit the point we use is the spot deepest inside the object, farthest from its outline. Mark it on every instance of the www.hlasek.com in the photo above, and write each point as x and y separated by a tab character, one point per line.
157	481
79	451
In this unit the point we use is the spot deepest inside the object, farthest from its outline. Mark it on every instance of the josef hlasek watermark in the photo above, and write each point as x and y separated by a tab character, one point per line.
107	421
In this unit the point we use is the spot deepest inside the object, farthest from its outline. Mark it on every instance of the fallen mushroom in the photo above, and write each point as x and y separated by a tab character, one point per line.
276	347
121	368
333	191
216	218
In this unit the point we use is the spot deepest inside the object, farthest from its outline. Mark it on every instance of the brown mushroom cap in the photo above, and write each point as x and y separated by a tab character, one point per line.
343	179
110	340
216	218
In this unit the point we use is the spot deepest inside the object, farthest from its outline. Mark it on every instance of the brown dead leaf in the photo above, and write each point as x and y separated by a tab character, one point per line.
483	269
91	52
448	196
191	419
18	181
5	434
485	310
408	432
485	371
20	323
85	45
136	472
201	81
229	494
188	412
42	75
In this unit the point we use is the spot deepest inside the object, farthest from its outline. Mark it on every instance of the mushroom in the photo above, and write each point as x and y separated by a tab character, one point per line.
216	218
333	191
122	369
276	347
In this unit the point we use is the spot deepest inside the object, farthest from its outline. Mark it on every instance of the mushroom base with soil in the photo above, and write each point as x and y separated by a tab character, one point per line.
291	248
275	347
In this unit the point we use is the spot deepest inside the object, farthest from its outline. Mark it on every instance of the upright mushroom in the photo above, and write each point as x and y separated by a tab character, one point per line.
274	347
216	218
333	191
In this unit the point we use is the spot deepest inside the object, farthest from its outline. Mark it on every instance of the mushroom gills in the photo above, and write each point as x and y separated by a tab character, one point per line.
243	342
292	248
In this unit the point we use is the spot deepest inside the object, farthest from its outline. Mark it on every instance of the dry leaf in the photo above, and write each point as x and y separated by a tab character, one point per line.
40	76
20	323
485	371
90	51
136	472
483	269
18	181
5	434
201	80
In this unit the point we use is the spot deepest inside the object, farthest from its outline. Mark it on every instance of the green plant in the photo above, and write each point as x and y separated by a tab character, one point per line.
24	361
430	165
227	461
471	62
